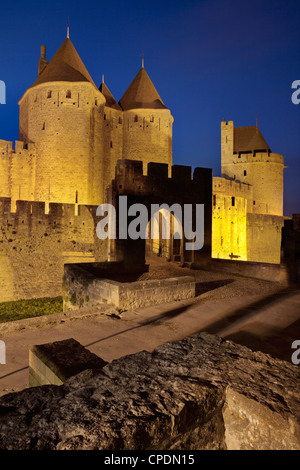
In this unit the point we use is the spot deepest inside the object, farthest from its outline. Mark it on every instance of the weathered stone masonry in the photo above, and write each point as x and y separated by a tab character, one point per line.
198	393
36	241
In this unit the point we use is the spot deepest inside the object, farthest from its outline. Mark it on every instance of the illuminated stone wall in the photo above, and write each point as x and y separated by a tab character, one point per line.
263	170
34	245
264	237
65	121
112	142
237	232
229	223
247	204
17	170
70	143
148	136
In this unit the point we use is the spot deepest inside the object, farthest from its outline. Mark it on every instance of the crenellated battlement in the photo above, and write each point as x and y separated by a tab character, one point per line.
38	239
255	157
44	212
229	187
21	148
133	169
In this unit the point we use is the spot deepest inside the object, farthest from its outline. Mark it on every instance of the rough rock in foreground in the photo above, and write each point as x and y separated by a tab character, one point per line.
198	393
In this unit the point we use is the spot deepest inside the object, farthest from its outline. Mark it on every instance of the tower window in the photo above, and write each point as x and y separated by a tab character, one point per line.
68	94
49	95
76	197
104	117
233	201
152	119
254	203
120	120
245	173
214	199
111	144
136	118
43	128
96	102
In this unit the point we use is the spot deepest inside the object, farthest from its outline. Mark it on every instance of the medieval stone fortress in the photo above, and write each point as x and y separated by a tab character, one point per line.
79	148
71	136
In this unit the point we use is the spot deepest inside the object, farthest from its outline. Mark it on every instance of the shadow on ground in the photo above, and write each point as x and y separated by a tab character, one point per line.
202	287
277	343
154	321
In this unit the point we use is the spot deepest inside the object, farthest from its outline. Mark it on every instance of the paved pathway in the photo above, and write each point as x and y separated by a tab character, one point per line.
264	322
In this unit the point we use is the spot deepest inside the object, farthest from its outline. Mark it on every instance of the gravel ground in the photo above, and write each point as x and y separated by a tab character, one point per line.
215	285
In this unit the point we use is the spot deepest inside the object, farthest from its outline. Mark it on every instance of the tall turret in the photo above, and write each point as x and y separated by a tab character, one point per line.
62	113
112	134
246	157
147	125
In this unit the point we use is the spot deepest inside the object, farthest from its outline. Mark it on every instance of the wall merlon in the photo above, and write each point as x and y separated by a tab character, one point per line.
181	173
157	170
126	166
202	175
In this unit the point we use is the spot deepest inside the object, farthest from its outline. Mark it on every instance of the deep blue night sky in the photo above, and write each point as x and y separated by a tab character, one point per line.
207	59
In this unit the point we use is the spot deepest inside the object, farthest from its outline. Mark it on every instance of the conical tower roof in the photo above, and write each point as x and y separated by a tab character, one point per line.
65	66
248	139
110	100
141	94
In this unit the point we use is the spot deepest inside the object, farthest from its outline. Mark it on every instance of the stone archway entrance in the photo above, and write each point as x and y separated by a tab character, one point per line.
157	189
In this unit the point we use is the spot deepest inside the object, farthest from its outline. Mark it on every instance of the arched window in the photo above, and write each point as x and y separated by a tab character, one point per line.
68	94
136	118
120	120
49	95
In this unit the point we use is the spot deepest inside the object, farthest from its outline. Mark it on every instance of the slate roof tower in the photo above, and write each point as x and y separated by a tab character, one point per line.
62	113
147	133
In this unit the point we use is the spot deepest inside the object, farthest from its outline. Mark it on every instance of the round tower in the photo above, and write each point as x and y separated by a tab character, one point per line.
62	113
147	124
246	157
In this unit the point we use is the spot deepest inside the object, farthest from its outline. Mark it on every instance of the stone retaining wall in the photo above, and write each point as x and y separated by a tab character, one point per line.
84	289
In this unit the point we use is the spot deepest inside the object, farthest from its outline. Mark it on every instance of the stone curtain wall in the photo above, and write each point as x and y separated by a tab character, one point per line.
198	393
17	170
264	238
238	232
84	289
35	243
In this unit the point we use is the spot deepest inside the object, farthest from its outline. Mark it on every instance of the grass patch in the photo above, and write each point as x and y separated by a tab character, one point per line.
20	309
